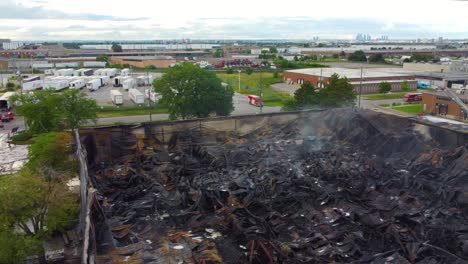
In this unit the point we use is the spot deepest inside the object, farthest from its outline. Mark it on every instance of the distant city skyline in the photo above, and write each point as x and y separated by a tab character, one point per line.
50	20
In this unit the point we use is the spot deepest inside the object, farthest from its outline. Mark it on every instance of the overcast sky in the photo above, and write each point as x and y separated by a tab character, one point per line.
239	19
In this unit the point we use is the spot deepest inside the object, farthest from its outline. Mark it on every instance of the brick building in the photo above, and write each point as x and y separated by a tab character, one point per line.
439	103
144	61
371	78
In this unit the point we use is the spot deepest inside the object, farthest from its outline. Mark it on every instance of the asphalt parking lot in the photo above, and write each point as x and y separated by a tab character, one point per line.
102	96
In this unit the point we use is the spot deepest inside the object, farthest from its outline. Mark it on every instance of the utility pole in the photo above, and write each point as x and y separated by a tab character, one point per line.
149	96
261	90
321	78
239	80
360	90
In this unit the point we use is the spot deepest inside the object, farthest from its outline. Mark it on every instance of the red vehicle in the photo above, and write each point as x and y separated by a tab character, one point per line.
255	100
413	97
7	116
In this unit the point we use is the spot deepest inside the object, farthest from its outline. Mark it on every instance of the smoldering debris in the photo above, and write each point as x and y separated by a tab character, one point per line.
344	188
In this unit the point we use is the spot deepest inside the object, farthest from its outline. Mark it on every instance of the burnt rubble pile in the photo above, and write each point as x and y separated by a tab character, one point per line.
307	192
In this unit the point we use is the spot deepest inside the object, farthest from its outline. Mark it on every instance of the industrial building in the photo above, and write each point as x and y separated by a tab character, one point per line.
144	61
440	103
371	78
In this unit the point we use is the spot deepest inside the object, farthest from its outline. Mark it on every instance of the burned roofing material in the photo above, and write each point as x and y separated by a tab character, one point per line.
317	190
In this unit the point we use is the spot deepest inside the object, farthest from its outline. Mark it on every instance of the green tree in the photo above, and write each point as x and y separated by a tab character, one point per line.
15	247
249	71
151	68
102	58
218	53
405	87
51	150
37	204
77	109
116	47
385	87
229	71
377	58
358	56
306	95
338	92
273	50
45	111
10	85
189	91
40	110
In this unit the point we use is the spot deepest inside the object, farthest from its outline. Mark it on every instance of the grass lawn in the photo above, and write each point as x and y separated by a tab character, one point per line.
374	97
113	111
250	85
409	108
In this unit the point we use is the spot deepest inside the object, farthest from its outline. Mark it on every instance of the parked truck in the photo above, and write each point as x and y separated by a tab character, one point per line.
94	84
116	97
78	84
31	79
57	85
33	85
128	84
125	72
5	103
136	96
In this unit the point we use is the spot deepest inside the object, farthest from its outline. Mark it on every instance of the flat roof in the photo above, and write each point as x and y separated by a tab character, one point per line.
142	58
355	73
445	95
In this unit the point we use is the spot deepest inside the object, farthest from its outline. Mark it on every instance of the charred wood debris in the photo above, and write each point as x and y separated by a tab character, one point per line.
344	188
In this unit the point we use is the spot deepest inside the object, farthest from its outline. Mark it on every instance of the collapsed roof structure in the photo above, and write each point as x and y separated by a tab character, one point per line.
337	186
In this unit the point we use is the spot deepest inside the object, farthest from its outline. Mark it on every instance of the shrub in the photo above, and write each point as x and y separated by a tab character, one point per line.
21	137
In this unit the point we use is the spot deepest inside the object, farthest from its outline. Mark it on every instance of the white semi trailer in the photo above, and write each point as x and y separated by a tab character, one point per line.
78	84
33	85
116	97
136	96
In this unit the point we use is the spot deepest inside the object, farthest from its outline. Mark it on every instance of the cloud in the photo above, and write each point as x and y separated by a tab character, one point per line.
222	28
11	10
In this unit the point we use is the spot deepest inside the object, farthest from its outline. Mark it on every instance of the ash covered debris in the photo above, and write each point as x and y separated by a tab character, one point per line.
336	187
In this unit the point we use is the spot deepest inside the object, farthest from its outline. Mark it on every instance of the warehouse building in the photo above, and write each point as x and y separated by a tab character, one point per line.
144	61
371	78
439	103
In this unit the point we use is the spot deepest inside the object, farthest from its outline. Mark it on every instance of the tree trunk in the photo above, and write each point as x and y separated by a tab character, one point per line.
42	256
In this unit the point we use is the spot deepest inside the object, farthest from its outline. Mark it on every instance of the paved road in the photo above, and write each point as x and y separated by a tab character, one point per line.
241	107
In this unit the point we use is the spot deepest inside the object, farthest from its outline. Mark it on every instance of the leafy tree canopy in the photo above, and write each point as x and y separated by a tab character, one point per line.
337	92
358	55
405	87
189	91
46	111
377	58
385	87
37	203
116	47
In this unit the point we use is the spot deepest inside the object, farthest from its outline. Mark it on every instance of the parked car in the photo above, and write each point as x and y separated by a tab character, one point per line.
7	116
